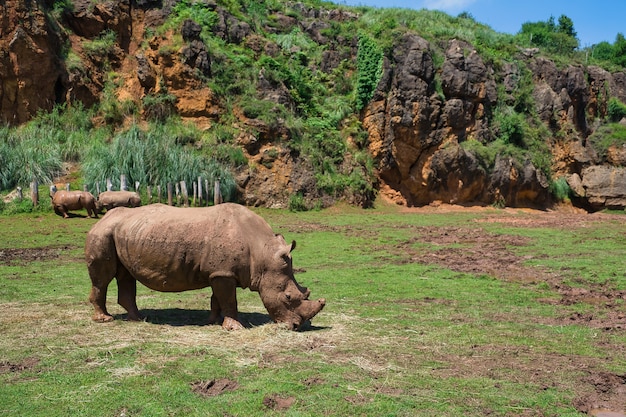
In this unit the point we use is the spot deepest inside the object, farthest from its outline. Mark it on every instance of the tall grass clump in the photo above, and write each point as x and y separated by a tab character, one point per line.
153	158
28	153
71	127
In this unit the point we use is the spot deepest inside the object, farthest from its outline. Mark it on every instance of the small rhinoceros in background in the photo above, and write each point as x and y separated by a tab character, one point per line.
111	199
178	249
64	201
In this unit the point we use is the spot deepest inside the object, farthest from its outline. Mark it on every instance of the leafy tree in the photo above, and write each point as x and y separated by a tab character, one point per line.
566	26
559	38
619	50
603	51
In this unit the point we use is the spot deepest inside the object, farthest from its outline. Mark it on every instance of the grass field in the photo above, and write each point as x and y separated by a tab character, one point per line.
440	311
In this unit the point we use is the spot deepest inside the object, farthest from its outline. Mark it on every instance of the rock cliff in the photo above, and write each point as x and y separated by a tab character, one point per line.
424	121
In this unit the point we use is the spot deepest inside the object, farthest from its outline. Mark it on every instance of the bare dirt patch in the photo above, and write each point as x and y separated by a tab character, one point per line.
213	387
607	392
278	403
25	365
476	251
20	256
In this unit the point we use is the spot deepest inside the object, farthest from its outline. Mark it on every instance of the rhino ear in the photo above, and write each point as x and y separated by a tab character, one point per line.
293	245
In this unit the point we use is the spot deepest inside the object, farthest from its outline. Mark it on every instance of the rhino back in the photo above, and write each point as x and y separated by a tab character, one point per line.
119	198
179	249
71	199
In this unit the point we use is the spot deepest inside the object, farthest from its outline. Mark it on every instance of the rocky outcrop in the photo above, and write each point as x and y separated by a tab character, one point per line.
416	132
418	128
604	186
31	75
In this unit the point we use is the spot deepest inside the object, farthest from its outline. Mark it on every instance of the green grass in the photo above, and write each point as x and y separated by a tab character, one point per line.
398	337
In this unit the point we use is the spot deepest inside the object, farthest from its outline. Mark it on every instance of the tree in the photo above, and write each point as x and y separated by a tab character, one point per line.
619	50
559	38
603	51
566	26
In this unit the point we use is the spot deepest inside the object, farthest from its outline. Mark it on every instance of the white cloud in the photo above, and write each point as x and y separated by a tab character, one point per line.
448	5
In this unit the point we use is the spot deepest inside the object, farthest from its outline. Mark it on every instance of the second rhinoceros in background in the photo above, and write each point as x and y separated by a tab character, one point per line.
64	201
111	199
178	249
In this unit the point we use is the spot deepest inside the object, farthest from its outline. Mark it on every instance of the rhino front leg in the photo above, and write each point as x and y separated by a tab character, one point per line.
127	293
216	311
225	296
61	210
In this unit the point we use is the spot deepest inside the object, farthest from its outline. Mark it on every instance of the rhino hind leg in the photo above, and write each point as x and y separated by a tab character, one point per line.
224	301
98	297
127	293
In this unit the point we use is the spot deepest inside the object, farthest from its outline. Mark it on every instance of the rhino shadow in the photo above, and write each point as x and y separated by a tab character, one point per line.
189	317
74	216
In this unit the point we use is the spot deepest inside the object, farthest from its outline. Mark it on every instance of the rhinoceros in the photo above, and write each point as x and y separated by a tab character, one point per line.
111	199
63	201
175	249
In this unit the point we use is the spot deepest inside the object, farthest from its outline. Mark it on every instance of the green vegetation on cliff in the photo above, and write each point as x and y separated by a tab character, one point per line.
302	76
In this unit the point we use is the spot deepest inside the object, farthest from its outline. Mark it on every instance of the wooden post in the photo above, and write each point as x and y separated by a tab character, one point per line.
85	188
217	195
97	189
123	183
67	186
159	192
149	191
137	186
20	194
170	197
109	185
184	193
206	187
199	191
195	193
177	187
34	193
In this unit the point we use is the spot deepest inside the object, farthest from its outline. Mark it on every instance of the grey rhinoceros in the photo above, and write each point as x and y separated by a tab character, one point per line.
178	249
111	199
64	201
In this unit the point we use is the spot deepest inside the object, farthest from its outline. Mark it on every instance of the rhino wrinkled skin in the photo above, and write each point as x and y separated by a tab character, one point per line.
178	249
111	199
64	201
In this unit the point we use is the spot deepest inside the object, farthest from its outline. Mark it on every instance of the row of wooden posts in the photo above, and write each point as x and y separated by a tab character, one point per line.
176	190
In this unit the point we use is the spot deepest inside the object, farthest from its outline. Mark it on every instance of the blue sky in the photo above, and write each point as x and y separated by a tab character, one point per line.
594	20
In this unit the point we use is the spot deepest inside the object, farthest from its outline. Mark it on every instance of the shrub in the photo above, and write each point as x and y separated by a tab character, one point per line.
603	138
560	189
159	107
297	203
101	46
511	127
616	110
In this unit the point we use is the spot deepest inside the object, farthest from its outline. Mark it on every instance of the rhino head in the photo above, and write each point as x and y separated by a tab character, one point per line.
285	300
